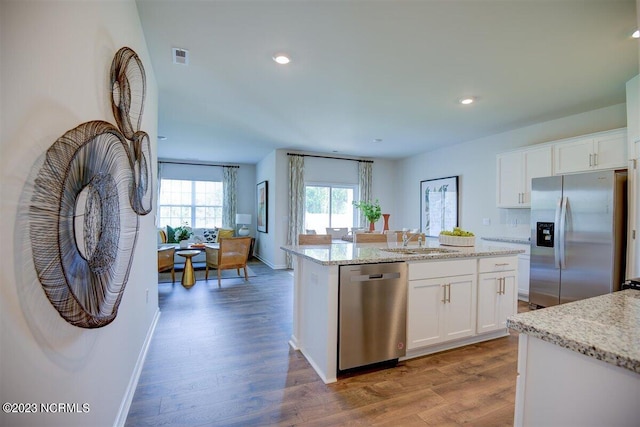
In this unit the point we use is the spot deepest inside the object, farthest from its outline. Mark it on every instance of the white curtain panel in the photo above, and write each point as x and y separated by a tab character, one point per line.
364	185
229	189
296	202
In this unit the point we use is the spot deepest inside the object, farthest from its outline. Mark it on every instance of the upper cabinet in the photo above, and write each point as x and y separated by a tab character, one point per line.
515	169
514	172
605	150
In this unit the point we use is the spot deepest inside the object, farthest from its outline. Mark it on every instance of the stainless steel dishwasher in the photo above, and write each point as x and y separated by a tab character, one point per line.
372	319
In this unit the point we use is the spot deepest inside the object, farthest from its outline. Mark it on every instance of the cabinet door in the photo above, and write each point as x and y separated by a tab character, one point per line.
460	309
508	300
509	179
536	163
524	263
497	300
573	156
610	151
424	312
488	287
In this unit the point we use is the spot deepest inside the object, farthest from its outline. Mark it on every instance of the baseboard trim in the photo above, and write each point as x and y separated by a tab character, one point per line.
270	264
135	377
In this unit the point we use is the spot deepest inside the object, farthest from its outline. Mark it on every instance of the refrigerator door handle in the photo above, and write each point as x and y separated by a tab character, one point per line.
556	233
563	223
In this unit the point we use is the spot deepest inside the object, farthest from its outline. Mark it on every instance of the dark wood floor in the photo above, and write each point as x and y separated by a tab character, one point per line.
220	357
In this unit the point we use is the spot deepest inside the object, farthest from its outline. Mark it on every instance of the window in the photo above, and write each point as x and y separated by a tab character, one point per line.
329	206
199	203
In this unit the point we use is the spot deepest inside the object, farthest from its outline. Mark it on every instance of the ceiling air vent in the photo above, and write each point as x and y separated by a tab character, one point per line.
180	56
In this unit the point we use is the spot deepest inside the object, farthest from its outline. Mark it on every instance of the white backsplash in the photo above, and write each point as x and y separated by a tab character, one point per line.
512	223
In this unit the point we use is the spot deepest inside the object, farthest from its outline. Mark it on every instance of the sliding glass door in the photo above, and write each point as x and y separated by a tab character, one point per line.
329	205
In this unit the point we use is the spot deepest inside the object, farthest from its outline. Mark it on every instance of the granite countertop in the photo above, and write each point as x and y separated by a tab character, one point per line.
518	240
605	327
345	253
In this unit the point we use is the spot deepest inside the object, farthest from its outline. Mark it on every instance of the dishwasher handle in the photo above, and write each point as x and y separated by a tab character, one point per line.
374	277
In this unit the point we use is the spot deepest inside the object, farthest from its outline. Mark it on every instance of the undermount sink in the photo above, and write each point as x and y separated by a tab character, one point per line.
418	251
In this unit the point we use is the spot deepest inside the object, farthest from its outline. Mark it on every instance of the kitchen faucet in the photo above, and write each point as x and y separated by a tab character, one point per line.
405	238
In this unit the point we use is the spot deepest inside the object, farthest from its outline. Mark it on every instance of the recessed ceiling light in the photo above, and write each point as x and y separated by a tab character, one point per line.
162	138
281	59
636	34
466	101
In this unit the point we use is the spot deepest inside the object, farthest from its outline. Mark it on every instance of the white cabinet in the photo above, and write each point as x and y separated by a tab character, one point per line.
633	146
605	150
497	292
515	171
441	308
524	264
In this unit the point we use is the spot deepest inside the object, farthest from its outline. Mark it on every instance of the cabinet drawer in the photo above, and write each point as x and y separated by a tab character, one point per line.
486	265
433	269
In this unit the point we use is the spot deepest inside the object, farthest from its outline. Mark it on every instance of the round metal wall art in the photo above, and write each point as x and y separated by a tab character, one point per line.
83	217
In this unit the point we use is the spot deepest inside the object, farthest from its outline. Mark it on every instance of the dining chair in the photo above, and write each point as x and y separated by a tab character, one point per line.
314	239
310	231
232	254
369	238
337	232
166	261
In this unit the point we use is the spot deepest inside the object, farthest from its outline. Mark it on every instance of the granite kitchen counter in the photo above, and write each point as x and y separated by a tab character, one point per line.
369	253
606	327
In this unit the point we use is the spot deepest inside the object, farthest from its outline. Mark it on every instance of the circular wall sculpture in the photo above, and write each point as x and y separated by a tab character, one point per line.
83	217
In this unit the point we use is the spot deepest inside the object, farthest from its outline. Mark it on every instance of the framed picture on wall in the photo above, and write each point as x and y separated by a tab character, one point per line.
438	205
263	199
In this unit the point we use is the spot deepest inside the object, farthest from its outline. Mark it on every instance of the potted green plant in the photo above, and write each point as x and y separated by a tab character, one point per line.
371	211
182	234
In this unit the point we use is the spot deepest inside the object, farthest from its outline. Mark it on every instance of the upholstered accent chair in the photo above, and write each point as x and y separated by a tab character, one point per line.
233	254
166	261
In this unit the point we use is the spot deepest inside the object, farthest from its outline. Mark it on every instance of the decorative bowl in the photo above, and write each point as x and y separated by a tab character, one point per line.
456	240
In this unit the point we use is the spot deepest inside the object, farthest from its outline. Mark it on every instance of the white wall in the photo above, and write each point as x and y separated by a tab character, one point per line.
475	163
265	242
56	58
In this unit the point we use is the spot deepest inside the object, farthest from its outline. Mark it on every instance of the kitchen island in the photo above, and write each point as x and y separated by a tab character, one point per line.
456	295
579	363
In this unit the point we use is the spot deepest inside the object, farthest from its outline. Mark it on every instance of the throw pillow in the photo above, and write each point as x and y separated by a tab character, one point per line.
171	238
211	235
224	233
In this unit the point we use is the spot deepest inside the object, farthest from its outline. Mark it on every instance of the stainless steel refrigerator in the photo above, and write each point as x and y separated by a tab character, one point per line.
578	236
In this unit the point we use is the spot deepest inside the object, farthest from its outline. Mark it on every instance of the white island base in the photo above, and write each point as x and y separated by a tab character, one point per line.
560	387
315	316
315	306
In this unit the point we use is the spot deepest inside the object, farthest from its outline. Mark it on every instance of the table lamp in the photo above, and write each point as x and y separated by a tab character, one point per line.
243	219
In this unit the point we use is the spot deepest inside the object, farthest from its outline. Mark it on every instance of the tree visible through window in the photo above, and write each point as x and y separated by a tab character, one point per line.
328	206
198	203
